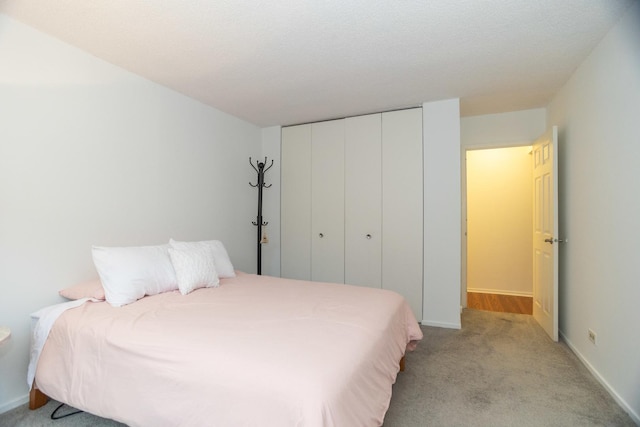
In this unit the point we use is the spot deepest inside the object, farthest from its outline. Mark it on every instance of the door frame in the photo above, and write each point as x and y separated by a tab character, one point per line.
463	207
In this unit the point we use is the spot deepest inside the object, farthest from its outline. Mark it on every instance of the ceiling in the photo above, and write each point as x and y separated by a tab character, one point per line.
281	62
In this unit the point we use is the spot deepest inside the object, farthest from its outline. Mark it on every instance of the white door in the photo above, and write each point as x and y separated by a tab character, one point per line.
545	232
327	201
363	201
402	205
295	191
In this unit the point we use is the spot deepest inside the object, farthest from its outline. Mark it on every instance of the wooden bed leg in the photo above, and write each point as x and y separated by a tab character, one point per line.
37	399
402	364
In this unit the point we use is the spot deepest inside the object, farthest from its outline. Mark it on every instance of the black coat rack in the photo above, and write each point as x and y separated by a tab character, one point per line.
259	168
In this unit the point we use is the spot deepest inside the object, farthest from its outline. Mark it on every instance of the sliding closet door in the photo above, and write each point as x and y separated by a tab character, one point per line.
295	193
363	201
327	201
402	205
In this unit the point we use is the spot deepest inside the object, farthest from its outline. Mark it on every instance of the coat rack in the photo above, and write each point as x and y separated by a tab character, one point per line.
260	169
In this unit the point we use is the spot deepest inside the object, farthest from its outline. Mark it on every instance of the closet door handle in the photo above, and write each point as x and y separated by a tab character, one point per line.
321	235
369	236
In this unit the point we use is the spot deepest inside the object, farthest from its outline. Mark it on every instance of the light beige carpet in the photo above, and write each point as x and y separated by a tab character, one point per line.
499	370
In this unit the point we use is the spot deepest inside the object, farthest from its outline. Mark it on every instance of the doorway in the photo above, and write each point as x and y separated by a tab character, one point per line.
499	221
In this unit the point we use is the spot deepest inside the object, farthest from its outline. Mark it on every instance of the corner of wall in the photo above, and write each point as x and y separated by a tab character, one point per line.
271	203
442	213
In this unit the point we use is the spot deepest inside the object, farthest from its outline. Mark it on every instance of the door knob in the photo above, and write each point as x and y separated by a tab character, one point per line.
321	235
368	236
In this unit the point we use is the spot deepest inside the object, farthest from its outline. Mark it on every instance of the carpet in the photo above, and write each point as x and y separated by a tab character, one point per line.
500	369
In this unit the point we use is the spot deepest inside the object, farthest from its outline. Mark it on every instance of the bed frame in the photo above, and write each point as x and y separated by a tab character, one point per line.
38	399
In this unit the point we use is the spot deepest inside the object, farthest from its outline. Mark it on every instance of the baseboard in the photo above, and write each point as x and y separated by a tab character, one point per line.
6	407
441	324
634	416
500	292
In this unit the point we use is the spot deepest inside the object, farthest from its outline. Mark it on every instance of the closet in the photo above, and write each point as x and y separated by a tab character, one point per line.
351	202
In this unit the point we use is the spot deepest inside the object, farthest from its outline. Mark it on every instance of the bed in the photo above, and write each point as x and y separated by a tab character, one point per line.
254	351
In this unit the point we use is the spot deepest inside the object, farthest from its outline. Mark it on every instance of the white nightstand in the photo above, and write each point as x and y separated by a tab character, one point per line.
5	333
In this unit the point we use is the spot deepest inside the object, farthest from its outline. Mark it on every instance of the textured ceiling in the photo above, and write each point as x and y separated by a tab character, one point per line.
285	61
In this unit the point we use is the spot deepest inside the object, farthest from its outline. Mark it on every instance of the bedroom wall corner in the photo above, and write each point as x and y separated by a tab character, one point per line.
442	244
271	202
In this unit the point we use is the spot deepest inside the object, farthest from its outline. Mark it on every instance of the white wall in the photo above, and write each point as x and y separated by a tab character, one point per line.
503	129
599	188
442	244
92	154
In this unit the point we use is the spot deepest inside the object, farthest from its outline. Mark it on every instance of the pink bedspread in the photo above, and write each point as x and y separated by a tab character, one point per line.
257	351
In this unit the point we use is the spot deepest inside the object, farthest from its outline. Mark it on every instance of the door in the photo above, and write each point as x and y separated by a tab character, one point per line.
295	190
327	201
545	232
402	205
363	201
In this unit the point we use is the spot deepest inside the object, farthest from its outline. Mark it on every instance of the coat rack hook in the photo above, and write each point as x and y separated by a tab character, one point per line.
251	163
265	162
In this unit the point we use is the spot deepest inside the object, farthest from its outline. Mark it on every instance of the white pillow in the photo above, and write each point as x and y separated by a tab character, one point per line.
194	268
129	273
220	256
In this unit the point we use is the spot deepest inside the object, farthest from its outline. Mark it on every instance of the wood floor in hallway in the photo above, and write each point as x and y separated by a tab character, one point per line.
501	303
